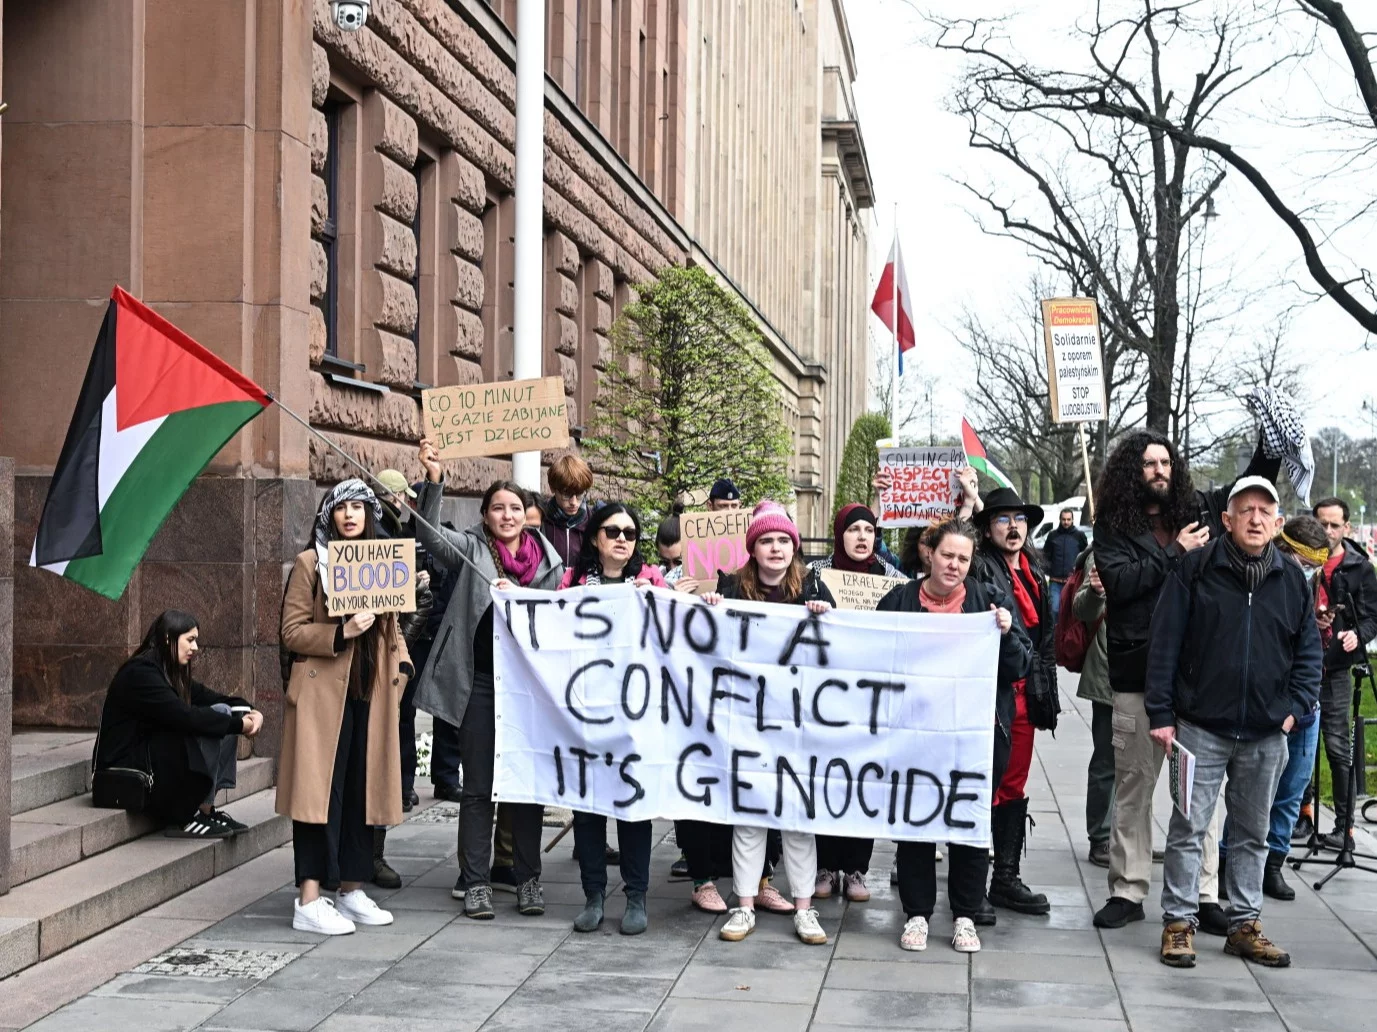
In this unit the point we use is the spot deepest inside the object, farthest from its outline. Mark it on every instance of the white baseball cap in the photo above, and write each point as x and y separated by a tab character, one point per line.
1254	484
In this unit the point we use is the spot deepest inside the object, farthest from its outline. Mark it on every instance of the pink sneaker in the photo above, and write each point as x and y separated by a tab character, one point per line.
856	891
706	897
824	885
768	898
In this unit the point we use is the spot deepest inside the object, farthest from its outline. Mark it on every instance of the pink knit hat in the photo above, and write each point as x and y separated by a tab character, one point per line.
770	518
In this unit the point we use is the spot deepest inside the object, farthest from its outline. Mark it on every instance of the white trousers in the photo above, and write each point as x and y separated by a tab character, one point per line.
748	861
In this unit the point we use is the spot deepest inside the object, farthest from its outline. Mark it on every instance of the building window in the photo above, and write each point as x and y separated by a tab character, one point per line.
329	232
423	228
581	54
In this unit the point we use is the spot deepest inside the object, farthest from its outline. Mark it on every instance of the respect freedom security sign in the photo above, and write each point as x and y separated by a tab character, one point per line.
640	703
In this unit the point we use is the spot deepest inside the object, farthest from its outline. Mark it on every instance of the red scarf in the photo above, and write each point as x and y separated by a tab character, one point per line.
1027	590
521	567
1326	577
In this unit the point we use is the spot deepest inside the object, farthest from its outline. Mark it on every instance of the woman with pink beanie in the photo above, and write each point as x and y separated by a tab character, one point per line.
774	572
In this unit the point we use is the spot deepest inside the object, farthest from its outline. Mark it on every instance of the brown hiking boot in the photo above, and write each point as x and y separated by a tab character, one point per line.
1249	943
1178	945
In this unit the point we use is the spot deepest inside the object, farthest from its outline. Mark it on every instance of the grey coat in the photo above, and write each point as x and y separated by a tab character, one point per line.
447	681
1088	606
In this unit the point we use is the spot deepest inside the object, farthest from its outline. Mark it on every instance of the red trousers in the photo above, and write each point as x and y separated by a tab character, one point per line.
1020	754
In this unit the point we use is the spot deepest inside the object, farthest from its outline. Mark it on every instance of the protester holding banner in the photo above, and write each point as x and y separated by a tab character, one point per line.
609	556
1008	559
339	775
457	685
950	589
567	508
774	572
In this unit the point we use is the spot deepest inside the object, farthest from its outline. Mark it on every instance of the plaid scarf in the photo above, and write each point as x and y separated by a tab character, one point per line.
1250	568
353	490
1284	437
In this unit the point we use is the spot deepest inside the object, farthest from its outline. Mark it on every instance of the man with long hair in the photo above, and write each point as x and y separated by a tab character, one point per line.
1149	518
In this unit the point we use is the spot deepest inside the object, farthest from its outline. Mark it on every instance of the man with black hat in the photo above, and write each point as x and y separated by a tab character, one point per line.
1010	563
723	496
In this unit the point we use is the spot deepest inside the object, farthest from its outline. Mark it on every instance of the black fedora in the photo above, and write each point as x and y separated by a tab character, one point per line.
1002	499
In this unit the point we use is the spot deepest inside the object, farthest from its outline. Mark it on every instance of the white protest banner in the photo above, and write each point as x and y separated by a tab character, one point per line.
923	485
496	418
857	590
641	703
373	576
1075	370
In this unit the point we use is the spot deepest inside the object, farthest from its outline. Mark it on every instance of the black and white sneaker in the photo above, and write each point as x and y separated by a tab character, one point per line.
234	826
201	826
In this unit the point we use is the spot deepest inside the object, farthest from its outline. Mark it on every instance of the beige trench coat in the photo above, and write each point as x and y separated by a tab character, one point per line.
314	707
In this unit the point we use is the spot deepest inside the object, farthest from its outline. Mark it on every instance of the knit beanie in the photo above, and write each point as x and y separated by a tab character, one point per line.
770	518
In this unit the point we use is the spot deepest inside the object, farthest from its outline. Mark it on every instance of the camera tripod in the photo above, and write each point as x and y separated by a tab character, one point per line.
1346	858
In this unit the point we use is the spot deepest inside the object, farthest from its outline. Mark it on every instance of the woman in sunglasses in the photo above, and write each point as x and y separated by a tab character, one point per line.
608	556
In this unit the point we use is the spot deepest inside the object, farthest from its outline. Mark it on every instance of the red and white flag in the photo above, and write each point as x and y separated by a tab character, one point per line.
883	304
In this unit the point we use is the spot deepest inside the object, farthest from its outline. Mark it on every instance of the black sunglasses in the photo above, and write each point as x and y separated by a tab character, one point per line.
612	533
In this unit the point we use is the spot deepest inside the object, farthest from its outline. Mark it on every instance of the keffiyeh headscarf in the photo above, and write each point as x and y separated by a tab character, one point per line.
353	490
1284	437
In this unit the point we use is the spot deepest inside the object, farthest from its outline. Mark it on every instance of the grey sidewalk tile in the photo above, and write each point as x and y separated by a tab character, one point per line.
1048	999
464	1006
116	1015
1211	961
996	1021
1175	1019
368	946
279	1010
869	1009
416	898
690	1015
1348	985
614	955
1188	989
323	973
499	936
762	955
1024	939
338	1022
261	930
413	922
731	985
218	991
530	1017
910	974
1309	1010
1040	967
594	992
487	969
866	946
1342	952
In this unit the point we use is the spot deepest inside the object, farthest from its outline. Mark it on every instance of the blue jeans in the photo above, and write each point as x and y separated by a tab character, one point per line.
1056	599
1301	744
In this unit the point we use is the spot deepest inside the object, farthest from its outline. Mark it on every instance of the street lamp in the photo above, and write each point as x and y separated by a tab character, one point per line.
1208	213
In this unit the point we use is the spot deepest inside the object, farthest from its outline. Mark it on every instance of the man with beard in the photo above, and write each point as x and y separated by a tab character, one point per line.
1149	518
1061	549
1009	563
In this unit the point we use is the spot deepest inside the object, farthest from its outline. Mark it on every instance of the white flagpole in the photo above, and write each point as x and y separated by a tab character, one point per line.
894	329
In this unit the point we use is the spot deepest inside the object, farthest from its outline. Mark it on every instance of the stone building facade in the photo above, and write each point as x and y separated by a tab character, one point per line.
333	214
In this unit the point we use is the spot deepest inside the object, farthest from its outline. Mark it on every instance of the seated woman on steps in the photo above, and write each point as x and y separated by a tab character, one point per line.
158	720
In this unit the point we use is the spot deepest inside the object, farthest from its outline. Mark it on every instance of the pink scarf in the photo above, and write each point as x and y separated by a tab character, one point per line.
522	566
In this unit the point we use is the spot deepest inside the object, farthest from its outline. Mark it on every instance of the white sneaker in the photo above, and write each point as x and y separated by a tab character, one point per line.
321	917
964	938
808	928
915	935
361	910
740	923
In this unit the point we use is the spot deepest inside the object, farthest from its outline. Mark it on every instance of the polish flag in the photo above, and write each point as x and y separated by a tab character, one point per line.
884	305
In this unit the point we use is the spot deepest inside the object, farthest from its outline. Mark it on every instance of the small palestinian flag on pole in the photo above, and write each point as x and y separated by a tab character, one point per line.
975	454
154	409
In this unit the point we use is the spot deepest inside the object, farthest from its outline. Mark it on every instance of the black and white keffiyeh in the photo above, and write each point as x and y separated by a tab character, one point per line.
352	490
1284	437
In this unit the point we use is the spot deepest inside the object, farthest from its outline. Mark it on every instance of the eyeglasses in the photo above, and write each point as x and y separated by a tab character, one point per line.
1004	519
629	533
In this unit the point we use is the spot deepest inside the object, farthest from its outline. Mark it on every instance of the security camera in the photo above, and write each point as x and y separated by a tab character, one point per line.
350	14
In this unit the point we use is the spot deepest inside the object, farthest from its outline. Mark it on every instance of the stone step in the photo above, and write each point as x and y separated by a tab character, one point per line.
43	775
51	837
47	915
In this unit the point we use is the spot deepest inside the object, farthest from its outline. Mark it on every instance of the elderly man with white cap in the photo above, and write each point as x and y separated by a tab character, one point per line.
1234	661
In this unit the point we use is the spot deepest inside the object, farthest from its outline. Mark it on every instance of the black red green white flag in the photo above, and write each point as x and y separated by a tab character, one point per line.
154	409
975	455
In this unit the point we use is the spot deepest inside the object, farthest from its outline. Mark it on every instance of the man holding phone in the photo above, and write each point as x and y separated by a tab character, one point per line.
1346	609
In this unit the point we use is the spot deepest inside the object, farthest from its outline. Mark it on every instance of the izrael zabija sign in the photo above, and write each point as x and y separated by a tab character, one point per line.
1075	369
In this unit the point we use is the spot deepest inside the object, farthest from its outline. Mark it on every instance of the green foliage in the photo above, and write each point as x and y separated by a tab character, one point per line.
687	396
860	461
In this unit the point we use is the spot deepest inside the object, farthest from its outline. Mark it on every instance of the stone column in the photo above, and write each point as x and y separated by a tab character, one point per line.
6	660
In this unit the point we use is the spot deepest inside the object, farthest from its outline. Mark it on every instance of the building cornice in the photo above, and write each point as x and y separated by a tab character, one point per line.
846	134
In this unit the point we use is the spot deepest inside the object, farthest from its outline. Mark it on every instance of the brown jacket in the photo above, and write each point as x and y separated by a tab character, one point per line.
314	707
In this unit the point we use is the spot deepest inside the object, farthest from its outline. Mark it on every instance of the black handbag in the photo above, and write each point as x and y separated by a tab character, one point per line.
119	788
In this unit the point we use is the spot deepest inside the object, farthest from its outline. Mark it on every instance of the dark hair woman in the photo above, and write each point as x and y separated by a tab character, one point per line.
844	862
773	573
160	720
457	685
340	774
949	589
608	556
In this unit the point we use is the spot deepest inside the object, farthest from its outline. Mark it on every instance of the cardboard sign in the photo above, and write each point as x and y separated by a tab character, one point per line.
857	590
496	418
713	541
1075	366
639	704
924	488
374	576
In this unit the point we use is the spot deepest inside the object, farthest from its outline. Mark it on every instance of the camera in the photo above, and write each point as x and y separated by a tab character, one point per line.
350	14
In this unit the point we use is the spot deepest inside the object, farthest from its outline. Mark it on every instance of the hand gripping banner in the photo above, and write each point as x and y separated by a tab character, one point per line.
641	703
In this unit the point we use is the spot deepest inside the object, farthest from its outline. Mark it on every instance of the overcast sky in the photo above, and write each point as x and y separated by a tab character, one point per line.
916	146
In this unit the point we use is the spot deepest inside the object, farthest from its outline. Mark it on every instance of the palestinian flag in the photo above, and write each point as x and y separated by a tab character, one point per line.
154	409
975	454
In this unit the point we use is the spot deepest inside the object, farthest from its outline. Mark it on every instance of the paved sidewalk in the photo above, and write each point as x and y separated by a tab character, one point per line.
434	970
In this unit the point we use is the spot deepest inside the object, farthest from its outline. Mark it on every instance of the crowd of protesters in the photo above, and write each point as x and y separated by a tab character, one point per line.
1197	621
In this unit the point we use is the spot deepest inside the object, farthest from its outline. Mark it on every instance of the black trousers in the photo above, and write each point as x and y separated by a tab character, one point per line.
967	867
478	742
406	730
341	849
633	840
707	848
848	855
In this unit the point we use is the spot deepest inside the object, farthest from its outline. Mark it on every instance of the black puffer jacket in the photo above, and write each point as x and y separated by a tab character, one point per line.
1060	549
814	590
1353	586
1040	691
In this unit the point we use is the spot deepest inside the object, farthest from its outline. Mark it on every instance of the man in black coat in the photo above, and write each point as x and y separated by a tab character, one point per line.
1060	550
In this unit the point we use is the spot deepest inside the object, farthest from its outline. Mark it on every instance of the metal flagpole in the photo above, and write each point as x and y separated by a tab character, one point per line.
369	474
894	327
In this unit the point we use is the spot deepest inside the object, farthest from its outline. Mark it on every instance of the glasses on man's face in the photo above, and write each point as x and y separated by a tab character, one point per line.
613	533
1004	519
